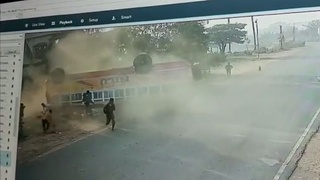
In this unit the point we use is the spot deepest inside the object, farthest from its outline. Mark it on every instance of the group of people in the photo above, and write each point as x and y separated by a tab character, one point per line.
108	109
46	119
48	122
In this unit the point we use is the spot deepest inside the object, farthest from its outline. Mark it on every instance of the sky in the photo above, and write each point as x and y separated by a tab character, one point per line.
266	21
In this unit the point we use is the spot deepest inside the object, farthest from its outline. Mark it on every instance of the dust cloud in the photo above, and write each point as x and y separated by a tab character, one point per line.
33	94
174	112
174	108
77	53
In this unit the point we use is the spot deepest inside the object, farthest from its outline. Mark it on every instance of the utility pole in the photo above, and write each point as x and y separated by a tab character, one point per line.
294	32
254	34
258	45
229	42
281	38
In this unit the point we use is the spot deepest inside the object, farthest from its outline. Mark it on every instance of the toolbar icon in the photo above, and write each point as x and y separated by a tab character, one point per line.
26	25
82	21
113	18
53	23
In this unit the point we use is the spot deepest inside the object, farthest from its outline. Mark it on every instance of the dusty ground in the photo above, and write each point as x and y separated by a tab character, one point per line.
309	166
72	128
67	130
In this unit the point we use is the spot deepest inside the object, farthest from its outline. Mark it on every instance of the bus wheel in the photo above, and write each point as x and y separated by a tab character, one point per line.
142	64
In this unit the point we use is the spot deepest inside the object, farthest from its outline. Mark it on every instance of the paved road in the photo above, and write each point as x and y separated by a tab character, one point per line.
241	129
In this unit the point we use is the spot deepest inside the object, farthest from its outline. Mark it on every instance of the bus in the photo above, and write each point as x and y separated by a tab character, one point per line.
118	83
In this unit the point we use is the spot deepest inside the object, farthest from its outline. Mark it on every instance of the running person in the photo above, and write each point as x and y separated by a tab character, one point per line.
109	112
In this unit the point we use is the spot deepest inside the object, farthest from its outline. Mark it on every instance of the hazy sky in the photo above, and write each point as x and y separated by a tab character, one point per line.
265	21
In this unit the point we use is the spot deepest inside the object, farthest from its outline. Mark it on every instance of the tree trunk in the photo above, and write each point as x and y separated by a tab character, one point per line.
222	48
229	43
254	34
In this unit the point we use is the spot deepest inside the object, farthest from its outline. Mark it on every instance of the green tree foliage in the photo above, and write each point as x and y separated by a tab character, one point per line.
121	40
182	39
222	34
190	40
187	40
149	38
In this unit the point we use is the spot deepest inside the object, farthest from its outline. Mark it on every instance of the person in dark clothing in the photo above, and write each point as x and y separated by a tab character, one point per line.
109	112
229	67
22	107
87	100
49	120
45	122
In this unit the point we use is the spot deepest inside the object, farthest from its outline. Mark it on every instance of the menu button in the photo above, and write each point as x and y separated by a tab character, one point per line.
93	20
126	17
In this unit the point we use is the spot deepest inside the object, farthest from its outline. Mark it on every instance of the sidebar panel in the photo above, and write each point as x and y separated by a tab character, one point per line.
11	64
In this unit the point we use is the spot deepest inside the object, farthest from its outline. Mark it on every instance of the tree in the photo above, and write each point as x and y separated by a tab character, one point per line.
121	41
222	34
190	40
312	27
186	39
154	37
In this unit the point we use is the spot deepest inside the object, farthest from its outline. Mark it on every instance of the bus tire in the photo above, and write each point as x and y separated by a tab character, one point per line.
142	64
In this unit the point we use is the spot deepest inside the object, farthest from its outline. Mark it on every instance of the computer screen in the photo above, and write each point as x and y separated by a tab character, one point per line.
172	89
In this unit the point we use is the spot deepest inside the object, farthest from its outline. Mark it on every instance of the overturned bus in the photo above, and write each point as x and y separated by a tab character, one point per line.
143	78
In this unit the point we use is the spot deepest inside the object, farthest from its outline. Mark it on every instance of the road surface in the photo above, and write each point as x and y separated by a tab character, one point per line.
242	128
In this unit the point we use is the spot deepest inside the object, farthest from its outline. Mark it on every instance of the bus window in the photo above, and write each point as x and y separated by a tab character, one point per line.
65	98
143	91
111	95
76	97
106	94
97	95
130	92
119	93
